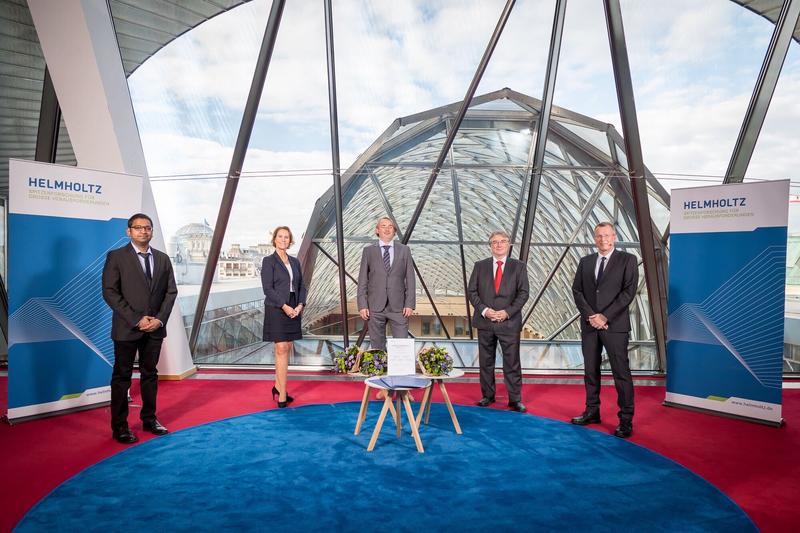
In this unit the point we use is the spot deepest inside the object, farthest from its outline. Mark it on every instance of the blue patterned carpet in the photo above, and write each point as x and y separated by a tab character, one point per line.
304	470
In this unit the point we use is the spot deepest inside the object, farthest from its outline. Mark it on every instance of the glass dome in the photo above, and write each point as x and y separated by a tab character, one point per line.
483	186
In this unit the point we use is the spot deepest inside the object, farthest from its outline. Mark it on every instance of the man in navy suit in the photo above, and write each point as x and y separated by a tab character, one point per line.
139	286
497	289
386	285
604	287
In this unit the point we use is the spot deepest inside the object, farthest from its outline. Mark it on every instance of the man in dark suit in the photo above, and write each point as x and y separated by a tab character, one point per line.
386	285
498	288
605	285
139	286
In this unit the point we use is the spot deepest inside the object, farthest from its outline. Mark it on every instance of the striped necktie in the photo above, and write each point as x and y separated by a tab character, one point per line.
386	260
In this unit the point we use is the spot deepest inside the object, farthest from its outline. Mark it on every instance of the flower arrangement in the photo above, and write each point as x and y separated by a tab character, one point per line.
435	361
348	360
373	362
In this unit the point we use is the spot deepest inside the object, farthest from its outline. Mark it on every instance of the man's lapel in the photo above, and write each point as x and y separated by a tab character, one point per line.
592	265
158	267
398	254
489	276
133	257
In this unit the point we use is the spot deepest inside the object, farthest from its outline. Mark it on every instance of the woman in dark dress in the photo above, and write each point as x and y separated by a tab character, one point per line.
285	298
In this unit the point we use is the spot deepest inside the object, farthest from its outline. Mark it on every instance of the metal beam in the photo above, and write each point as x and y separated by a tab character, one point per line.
235	170
473	86
542	127
384	199
563	326
763	91
633	149
337	171
49	122
334	261
587	210
430	298
460	229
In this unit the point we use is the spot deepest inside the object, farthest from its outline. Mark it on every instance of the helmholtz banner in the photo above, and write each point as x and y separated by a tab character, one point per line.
62	221
727	275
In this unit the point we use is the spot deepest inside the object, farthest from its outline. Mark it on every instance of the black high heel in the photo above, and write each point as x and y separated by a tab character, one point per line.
281	405
277	393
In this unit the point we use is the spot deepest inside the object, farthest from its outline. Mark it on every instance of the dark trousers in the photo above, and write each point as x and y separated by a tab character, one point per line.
149	349
512	370
616	345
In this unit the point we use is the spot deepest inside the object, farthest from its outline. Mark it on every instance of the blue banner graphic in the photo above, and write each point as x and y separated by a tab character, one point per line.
726	298
60	351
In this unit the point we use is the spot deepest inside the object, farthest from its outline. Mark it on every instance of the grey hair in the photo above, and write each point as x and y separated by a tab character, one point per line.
498	232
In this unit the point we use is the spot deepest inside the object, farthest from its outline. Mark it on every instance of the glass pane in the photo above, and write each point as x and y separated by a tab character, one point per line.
234	314
323	314
490	200
585	82
596	138
187	120
483	142
556	305
440	268
693	70
64	152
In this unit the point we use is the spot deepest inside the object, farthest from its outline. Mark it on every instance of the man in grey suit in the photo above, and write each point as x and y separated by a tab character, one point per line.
604	287
386	285
497	289
139	287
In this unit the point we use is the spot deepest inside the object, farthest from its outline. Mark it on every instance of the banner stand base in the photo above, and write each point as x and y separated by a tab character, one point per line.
13	421
770	423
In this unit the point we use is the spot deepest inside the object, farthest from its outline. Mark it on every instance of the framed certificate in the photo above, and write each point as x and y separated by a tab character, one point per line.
401	357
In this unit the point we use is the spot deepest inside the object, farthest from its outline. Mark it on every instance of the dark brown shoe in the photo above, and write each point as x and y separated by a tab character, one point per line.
484	402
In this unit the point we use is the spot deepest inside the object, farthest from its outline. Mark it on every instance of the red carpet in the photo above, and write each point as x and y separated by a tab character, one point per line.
752	464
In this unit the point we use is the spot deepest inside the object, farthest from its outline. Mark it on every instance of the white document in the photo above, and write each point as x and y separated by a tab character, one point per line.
402	360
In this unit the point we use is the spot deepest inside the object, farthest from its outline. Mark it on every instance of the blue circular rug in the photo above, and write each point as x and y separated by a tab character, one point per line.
304	470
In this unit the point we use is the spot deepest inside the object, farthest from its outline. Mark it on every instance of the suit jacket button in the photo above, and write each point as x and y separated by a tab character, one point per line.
597	290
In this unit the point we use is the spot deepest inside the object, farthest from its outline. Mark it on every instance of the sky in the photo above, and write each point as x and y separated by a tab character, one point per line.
693	66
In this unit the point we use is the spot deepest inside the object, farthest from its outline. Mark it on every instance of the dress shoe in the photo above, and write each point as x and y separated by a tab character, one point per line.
517	406
624	430
125	436
155	427
275	393
485	402
586	418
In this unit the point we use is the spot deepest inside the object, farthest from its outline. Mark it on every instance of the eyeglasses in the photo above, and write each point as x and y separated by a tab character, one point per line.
142	228
497	243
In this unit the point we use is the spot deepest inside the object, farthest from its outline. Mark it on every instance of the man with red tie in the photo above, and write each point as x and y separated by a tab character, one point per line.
498	288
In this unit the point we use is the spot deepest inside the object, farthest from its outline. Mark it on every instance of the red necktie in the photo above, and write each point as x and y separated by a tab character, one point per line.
498	276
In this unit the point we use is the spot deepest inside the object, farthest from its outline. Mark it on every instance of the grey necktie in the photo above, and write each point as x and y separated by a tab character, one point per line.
148	274
600	270
386	260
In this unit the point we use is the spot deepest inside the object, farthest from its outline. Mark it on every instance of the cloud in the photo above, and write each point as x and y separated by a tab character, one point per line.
693	66
263	201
